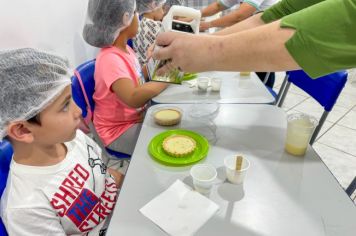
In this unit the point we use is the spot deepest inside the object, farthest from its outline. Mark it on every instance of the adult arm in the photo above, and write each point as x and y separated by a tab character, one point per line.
257	49
244	11
305	39
251	22
212	9
277	11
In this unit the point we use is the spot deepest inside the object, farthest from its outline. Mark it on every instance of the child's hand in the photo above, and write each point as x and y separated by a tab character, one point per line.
118	177
150	51
204	25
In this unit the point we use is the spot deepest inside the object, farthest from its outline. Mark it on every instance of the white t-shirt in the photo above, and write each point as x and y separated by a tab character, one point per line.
73	197
258	4
146	36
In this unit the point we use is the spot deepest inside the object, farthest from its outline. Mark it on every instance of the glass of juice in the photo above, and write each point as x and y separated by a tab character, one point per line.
299	131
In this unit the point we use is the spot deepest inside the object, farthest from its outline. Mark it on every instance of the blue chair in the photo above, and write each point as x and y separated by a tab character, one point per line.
351	188
5	159
130	43
268	79
83	85
325	90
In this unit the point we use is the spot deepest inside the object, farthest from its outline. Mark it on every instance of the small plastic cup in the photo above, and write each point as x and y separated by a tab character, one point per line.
299	131
203	177
203	84
236	176
215	84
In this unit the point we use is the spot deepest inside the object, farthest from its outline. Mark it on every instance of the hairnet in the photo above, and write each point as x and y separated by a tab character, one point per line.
105	19
170	3
144	6
29	81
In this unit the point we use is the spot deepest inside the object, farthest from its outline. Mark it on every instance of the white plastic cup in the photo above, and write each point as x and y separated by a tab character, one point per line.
233	175
203	177
299	131
203	84
215	84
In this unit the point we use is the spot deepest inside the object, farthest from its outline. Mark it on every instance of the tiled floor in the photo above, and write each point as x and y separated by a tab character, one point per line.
336	143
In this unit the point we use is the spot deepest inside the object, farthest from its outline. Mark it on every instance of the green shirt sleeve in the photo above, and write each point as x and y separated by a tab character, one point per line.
286	7
325	37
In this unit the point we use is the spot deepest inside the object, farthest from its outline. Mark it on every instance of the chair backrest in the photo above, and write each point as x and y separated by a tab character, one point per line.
83	85
5	159
351	188
325	89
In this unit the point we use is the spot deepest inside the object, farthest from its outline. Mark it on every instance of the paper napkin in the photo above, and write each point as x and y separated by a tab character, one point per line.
180	210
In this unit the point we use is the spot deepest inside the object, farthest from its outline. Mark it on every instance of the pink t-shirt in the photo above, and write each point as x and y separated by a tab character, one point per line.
112	117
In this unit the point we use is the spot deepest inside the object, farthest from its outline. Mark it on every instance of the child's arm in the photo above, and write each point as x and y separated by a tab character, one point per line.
138	96
19	221
145	72
118	177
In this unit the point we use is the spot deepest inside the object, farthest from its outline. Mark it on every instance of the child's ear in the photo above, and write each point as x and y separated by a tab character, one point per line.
19	131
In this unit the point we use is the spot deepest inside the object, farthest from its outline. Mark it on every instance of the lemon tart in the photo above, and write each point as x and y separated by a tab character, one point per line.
179	145
167	117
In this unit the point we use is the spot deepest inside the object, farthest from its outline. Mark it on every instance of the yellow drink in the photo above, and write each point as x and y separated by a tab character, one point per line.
245	73
299	131
297	151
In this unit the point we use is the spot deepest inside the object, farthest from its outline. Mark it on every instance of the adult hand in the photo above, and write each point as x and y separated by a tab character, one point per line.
187	52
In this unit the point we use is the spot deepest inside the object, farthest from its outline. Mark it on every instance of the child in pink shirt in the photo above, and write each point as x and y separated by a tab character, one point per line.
121	94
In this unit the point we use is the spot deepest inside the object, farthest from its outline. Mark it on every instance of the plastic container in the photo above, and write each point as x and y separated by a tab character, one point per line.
235	176
203	176
203	84
215	84
204	110
171	115
299	131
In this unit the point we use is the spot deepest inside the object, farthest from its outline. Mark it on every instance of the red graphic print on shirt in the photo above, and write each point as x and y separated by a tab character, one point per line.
81	205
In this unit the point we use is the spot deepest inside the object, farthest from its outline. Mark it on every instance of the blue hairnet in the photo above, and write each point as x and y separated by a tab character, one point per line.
106	19
29	81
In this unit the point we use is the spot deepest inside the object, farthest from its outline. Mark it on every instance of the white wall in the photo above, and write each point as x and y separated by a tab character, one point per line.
54	25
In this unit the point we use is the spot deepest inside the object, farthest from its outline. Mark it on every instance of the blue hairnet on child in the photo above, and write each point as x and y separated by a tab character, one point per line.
106	19
29	81
144	6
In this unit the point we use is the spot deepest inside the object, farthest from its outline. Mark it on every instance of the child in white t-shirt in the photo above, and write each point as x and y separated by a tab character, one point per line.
57	184
151	12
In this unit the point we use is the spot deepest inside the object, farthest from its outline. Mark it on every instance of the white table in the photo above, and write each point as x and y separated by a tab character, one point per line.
234	89
282	194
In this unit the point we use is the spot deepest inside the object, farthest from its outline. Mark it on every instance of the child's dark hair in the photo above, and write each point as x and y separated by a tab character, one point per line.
35	119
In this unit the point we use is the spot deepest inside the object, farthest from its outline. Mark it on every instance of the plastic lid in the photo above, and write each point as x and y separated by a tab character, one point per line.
204	110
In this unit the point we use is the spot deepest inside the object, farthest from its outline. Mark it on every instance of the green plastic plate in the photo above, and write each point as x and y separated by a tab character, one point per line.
157	152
